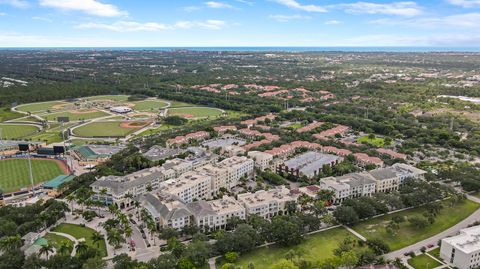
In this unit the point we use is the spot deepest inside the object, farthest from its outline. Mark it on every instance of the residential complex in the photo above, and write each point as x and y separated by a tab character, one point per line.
267	203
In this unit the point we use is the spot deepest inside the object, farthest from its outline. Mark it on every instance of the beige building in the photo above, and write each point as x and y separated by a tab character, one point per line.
218	175
237	168
267	204
262	160
386	180
213	215
189	186
167	211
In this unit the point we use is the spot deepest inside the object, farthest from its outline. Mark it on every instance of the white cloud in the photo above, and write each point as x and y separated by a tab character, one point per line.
245	2
3	14
467	20
296	5
287	18
16	3
465	3
407	9
332	22
213	4
191	8
38	18
131	26
91	7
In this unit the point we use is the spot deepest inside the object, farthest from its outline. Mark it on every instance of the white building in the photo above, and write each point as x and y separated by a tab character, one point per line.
262	160
267	204
121	109
462	251
215	214
167	211
189	186
237	168
341	190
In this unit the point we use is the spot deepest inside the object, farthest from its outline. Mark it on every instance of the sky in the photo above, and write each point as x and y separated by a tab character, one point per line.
238	23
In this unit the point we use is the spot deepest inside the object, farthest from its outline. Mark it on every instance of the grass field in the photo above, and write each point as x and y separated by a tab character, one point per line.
14	173
108	97
195	112
408	235
315	248
7	114
15	131
79	232
423	262
28	118
377	141
75	116
149	105
435	253
103	129
37	107
57	240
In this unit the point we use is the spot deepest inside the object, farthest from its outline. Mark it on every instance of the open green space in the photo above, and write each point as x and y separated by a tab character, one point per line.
423	262
149	105
16	131
7	114
103	129
407	234
315	248
28	118
37	107
80	232
435	253
179	104
376	141
14	173
75	116
108	97
56	240
195	112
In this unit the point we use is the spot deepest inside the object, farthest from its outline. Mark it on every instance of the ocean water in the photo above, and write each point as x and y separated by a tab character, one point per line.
265	49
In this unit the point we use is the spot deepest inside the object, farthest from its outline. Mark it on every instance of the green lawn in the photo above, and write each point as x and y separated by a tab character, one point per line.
179	104
37	107
28	118
16	131
149	105
7	114
377	141
408	235
103	129
108	97
195	112
315	248
435	253
14	173
75	116
56	240
79	232
423	262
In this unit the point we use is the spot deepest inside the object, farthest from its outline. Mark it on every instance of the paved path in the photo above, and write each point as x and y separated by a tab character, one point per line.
434	239
211	262
355	233
73	239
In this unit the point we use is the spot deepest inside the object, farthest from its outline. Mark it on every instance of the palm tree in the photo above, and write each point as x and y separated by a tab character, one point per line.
136	204
10	243
97	238
123	219
46	249
115	239
64	249
129	198
152	227
113	208
70	198
81	247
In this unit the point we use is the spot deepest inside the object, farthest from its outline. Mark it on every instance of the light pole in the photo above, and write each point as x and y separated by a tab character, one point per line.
31	173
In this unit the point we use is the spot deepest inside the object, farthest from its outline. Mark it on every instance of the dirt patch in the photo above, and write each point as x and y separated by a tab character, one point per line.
187	116
83	111
134	124
59	106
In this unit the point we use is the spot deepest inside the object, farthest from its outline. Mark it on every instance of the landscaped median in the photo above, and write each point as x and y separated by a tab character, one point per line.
423	261
407	234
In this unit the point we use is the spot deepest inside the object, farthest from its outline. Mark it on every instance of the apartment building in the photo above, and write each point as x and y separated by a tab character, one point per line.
218	177
237	168
189	186
361	184
167	211
341	190
213	215
462	251
308	164
112	189
386	179
261	160
405	171
267	203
